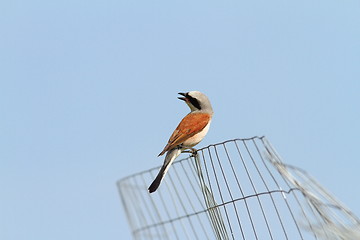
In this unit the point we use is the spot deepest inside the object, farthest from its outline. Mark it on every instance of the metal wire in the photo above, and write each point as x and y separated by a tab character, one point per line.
237	189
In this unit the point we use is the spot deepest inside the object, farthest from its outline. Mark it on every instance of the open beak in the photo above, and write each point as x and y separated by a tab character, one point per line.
182	98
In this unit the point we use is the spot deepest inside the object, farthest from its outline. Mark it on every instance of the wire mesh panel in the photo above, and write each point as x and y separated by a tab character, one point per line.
238	189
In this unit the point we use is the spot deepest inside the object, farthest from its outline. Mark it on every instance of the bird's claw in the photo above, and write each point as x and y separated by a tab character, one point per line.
193	154
192	151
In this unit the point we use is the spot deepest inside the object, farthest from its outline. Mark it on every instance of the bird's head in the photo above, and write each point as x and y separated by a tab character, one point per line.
197	101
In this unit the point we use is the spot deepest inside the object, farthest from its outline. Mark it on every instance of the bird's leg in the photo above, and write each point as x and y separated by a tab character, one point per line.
193	152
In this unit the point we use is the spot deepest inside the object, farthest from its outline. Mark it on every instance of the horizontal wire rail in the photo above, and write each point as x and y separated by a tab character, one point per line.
236	189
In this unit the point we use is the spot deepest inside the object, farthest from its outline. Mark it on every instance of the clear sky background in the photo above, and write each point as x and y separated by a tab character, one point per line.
88	95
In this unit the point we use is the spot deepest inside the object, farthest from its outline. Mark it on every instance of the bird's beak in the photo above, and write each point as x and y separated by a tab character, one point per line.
182	98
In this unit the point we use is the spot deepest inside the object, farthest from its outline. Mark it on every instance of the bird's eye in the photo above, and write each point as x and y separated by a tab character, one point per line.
194	102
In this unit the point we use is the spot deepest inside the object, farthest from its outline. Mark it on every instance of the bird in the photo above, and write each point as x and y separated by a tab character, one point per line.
190	131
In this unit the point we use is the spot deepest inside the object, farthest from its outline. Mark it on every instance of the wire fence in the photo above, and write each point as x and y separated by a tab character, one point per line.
237	189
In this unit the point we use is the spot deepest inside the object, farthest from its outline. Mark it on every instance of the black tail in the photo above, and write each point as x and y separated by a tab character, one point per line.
156	183
171	155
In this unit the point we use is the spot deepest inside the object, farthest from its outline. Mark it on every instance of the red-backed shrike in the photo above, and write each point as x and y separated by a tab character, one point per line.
190	131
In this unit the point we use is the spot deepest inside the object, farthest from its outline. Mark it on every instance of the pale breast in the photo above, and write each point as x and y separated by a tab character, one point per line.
192	141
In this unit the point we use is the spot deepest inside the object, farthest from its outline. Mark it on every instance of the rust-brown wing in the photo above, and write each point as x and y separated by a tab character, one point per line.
190	125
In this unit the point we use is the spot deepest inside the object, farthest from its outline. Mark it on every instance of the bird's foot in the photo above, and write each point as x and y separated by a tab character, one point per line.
193	152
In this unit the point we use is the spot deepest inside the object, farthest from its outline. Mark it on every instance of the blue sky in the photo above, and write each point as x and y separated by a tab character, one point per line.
88	95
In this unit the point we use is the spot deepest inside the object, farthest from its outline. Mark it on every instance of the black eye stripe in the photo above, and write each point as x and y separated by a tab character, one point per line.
194	101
